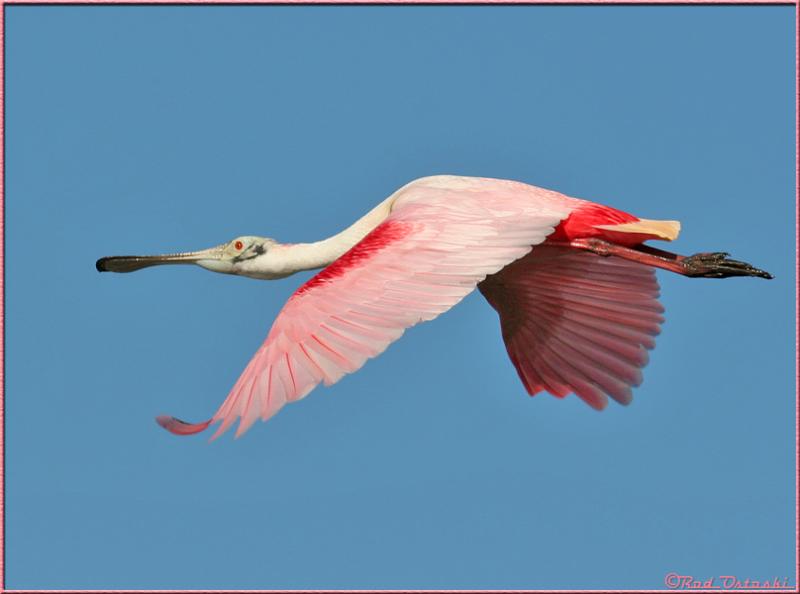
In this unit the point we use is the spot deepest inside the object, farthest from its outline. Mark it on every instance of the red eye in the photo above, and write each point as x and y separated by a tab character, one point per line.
238	245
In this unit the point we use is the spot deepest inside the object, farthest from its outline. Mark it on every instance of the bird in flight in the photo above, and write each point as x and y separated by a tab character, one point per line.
572	281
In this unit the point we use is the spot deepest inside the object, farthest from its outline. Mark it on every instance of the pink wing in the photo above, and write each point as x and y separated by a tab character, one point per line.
576	322
434	248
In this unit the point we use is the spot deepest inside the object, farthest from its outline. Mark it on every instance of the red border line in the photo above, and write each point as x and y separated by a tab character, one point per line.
400	3
5	3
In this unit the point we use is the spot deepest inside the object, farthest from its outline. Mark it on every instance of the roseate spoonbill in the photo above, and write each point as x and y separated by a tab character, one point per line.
571	280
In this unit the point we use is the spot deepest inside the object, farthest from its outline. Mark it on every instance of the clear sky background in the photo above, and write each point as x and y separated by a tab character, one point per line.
147	130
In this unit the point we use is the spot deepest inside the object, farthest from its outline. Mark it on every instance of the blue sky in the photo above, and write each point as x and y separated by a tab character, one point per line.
145	130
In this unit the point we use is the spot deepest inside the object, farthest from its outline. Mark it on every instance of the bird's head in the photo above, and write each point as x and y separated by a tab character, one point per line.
246	256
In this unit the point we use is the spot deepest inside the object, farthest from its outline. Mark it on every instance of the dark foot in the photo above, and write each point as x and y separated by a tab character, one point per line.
717	265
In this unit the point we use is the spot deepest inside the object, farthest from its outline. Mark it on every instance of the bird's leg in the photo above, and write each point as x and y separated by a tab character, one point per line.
704	264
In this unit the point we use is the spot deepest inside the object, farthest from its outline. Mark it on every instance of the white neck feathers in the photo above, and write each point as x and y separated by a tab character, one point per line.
322	253
283	260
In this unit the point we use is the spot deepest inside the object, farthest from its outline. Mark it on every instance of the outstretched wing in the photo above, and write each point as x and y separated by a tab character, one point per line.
577	322
433	249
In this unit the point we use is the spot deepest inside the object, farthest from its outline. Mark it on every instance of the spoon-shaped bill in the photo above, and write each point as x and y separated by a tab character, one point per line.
133	263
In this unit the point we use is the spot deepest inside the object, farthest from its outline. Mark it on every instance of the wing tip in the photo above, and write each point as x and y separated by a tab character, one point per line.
178	427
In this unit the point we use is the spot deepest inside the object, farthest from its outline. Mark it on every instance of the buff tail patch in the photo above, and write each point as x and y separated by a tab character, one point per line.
667	230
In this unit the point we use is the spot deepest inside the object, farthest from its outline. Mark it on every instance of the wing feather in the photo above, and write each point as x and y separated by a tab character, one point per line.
432	250
576	322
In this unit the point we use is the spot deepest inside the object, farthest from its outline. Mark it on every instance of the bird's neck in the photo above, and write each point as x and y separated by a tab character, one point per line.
322	253
286	259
